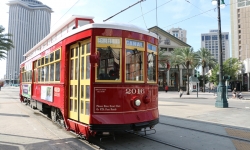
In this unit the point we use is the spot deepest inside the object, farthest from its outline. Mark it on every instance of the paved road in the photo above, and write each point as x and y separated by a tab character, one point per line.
21	128
24	129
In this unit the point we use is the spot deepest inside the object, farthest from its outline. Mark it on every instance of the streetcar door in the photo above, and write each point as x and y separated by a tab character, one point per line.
79	75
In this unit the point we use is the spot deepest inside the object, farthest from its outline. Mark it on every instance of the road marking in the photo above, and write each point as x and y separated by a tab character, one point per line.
247	107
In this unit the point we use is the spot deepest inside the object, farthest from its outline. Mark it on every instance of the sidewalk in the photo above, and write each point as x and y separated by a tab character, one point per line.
201	95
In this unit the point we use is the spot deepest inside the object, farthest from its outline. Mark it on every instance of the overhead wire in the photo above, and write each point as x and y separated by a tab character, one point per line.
198	15
151	10
198	8
184	19
143	17
66	12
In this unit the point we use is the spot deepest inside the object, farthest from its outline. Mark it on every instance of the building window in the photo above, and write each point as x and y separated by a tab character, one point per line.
239	31
207	37
238	26
239	36
238	20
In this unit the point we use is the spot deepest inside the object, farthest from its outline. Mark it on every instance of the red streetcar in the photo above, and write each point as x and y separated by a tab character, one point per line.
94	78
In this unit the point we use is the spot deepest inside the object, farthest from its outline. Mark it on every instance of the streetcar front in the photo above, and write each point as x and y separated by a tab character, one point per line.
124	85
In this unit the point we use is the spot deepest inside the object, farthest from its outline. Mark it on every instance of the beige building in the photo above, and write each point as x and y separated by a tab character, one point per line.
171	77
240	28
178	33
240	31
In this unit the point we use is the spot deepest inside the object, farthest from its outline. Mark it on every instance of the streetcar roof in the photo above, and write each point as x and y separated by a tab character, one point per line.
111	25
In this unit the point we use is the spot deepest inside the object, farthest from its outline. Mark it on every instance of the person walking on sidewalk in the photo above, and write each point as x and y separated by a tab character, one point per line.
181	92
234	93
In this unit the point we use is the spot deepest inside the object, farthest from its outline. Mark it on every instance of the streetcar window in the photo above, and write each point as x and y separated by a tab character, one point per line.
42	74
83	50
75	108
72	69
134	65
42	61
82	106
58	71
52	68
46	59
71	91
46	73
88	68
82	91
87	108
39	75
75	94
57	53
87	92
151	66
88	48
110	63
52	57
71	105
72	52
82	68
76	68
76	51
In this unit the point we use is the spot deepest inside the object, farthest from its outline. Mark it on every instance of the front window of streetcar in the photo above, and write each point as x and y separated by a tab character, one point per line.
110	64
151	63
134	65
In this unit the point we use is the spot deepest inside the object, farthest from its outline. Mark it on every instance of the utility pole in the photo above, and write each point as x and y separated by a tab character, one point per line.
124	10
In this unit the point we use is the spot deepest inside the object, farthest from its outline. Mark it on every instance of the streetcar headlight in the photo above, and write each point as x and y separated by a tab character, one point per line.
137	102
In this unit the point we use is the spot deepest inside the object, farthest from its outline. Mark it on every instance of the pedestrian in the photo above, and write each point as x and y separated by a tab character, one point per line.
180	92
234	93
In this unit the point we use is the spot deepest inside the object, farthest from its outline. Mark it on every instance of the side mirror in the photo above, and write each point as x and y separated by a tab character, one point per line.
94	58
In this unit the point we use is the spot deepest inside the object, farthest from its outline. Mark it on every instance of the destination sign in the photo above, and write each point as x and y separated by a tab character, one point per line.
102	40
134	43
152	47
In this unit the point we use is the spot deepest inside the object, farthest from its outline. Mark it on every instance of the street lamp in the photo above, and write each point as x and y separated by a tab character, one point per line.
221	100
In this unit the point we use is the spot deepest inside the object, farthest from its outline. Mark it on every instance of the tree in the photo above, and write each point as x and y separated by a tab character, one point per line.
230	67
175	61
189	59
206	60
5	43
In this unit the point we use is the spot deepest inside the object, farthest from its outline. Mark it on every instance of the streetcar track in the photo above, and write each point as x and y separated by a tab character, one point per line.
158	141
216	134
208	122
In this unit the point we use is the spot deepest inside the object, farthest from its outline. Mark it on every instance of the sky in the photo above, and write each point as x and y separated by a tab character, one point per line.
194	16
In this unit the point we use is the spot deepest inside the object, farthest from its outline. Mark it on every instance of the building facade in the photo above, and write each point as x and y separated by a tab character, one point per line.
210	41
29	22
240	28
179	33
170	76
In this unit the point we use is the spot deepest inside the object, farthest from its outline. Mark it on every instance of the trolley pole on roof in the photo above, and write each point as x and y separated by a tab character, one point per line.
124	10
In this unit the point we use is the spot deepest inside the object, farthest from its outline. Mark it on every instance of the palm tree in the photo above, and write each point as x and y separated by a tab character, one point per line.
189	58
5	43
175	61
206	60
